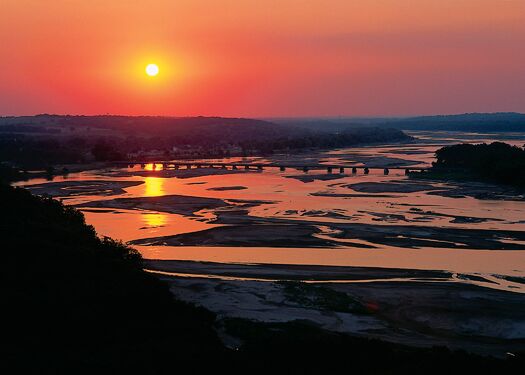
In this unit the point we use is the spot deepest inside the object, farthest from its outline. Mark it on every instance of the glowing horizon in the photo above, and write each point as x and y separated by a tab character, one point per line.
242	58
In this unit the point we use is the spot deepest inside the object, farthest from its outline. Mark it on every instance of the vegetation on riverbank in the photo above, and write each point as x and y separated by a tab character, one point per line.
497	162
76	302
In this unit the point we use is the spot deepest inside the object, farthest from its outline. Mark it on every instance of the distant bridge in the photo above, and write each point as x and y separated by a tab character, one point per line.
330	168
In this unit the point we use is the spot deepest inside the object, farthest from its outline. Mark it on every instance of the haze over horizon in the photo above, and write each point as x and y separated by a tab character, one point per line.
287	59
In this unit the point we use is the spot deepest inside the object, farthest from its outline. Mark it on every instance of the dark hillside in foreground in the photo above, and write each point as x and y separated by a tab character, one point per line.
468	122
74	302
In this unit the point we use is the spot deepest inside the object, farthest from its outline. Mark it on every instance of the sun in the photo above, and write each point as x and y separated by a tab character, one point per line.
152	70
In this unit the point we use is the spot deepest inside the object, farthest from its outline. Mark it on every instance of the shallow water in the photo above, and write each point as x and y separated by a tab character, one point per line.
378	201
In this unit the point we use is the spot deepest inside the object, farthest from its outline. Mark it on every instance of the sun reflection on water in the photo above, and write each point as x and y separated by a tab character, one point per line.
153	186
154	219
153	167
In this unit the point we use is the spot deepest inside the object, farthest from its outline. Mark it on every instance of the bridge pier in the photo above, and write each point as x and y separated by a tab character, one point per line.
158	165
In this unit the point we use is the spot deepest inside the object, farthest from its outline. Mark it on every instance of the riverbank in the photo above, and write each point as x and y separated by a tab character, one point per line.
409	307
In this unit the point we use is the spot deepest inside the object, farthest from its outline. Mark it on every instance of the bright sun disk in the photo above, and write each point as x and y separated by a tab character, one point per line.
152	70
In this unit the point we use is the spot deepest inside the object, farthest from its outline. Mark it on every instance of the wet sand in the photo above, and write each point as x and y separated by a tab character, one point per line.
86	187
245	230
404	306
391	187
178	204
317	177
227	188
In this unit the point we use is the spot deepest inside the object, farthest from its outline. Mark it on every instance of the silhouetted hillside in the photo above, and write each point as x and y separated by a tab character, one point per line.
470	122
145	125
76	303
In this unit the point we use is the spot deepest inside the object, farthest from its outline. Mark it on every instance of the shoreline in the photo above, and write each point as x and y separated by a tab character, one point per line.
425	307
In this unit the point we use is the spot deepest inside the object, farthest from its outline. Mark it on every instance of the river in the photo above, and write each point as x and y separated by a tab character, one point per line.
314	218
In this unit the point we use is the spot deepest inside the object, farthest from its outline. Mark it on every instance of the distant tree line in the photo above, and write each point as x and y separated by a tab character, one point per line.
468	122
204	138
496	162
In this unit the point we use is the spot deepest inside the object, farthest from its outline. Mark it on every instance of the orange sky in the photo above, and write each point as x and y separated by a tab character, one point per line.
262	58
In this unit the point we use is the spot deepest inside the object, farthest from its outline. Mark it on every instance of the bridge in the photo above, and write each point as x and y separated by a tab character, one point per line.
330	168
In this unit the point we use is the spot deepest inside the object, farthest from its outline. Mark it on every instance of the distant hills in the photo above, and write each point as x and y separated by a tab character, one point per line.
480	122
470	122
58	139
144	125
244	128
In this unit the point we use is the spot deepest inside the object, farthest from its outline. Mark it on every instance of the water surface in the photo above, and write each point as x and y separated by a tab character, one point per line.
330	203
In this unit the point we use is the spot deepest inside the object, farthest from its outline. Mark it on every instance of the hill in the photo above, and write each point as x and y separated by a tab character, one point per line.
469	122
80	139
75	302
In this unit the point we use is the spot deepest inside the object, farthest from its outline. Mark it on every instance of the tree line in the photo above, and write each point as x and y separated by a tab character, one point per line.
495	162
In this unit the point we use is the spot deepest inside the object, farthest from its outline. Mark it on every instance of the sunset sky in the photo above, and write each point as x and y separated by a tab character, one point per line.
262	58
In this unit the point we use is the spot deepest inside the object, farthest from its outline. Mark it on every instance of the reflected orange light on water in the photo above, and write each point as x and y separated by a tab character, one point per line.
153	186
155	220
153	167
